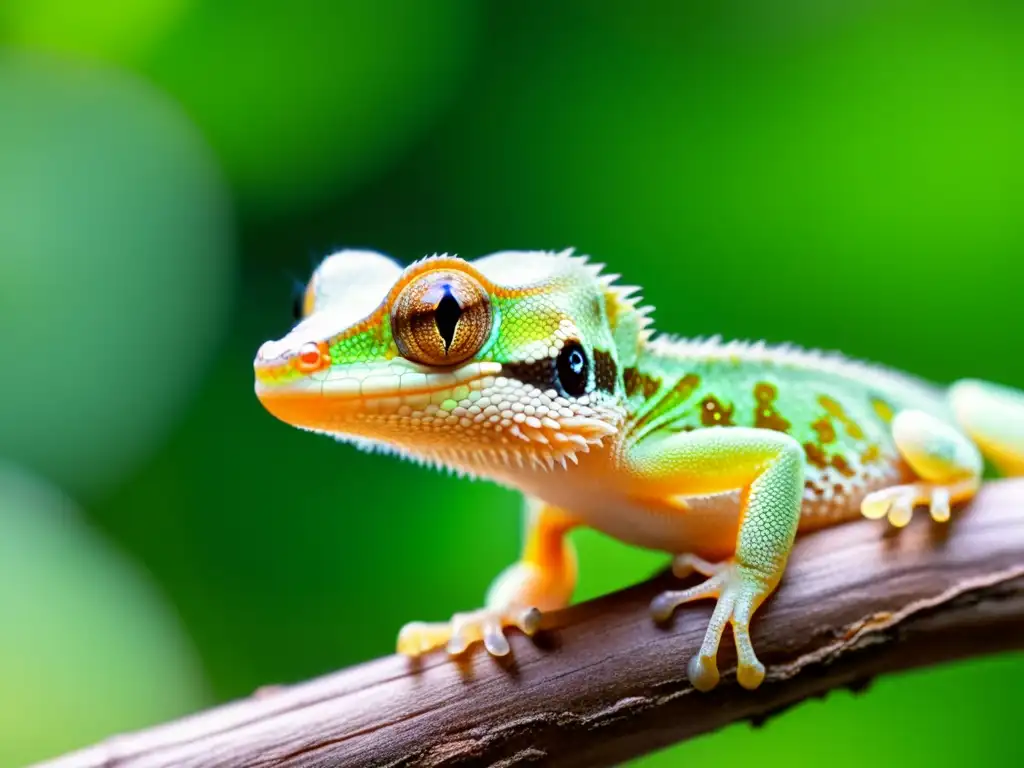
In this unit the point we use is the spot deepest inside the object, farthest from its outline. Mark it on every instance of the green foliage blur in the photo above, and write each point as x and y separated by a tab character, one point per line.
835	174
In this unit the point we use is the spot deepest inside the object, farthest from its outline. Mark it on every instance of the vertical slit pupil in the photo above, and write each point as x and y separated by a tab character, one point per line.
446	316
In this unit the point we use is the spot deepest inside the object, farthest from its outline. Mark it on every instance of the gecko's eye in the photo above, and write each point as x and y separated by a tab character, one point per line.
572	369
441	318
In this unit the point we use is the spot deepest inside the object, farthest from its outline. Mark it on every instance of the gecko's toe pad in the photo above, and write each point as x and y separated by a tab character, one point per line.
751	674
703	672
465	629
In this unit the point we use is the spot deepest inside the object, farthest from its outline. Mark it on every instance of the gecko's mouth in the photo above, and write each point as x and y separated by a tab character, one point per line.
329	398
419	409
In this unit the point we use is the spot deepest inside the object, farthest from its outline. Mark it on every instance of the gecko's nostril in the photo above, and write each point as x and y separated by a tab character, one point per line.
311	357
264	353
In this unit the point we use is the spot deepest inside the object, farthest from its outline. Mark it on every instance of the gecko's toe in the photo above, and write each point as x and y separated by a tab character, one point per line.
902	510
665	603
896	503
684	565
875	506
419	637
939	507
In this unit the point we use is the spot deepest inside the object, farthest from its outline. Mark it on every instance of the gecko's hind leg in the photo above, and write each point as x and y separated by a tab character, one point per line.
948	464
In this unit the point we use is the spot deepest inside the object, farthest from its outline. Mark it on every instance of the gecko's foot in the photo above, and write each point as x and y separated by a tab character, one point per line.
739	591
464	629
898	502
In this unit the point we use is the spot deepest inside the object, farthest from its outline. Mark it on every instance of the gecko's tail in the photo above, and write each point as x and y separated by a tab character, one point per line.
993	416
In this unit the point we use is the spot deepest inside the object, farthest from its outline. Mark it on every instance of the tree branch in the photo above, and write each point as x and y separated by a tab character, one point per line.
602	683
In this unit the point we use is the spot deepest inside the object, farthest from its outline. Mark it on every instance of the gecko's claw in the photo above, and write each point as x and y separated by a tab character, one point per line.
486	624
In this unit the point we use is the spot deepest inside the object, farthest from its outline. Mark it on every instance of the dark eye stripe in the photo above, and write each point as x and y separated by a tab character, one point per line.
541	374
544	375
605	372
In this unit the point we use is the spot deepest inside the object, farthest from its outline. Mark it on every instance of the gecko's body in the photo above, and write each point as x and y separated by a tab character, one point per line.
534	370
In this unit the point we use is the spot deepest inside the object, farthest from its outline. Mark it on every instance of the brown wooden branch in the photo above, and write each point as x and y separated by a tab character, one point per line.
603	683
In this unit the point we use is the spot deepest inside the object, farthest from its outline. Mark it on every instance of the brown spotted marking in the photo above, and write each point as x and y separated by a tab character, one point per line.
640	383
836	411
605	372
826	432
679	394
871	454
814	488
883	409
714	414
766	416
815	455
841	466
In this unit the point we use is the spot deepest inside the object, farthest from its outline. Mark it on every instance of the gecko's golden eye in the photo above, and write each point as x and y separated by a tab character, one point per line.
441	318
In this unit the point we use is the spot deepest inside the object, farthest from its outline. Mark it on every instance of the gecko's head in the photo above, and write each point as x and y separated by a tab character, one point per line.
512	360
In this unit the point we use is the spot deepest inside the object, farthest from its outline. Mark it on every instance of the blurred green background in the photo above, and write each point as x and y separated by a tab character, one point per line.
837	174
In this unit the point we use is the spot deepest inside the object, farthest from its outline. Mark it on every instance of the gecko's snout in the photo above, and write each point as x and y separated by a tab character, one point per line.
269	353
272	364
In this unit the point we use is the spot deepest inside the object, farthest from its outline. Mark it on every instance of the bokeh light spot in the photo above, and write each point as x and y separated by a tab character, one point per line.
115	234
110	29
88	647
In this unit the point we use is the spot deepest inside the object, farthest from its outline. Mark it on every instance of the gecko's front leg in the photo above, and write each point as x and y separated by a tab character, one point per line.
767	467
542	580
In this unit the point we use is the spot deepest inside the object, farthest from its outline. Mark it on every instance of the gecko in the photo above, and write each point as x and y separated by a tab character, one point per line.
542	372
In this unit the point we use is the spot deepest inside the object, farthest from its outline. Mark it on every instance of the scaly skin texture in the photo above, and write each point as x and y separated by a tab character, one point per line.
539	372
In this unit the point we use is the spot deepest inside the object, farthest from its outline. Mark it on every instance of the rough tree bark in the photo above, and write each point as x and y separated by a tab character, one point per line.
602	683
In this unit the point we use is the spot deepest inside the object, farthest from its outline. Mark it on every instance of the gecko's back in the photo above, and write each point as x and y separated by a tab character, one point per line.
839	410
